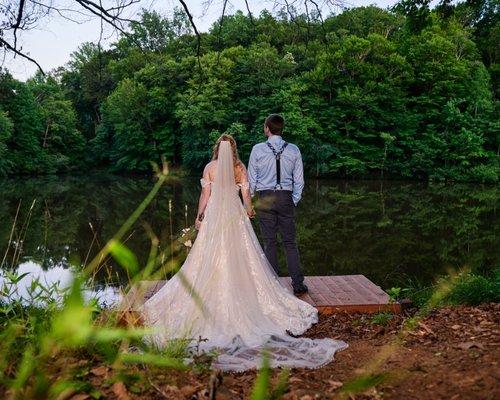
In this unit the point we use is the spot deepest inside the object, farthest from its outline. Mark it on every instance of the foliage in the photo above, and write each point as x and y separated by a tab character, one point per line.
470	288
394	293
62	142
381	318
6	130
263	388
410	92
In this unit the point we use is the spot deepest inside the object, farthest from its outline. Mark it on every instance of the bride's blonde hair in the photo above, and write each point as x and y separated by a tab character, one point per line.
227	138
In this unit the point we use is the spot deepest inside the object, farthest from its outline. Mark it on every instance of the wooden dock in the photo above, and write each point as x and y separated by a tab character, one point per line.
329	294
348	293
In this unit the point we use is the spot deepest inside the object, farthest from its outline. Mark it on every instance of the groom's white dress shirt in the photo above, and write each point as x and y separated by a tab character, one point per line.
262	168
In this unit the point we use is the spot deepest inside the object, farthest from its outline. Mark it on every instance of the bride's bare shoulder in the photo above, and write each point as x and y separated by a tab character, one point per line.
210	166
209	170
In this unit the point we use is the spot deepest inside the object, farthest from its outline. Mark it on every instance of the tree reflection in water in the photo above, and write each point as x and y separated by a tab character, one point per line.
388	231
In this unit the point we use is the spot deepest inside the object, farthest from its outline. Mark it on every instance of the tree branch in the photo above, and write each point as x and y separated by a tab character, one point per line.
220	31
250	13
18	21
198	37
7	45
318	10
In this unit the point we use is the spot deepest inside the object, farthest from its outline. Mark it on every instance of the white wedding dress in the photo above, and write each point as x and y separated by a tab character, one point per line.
227	293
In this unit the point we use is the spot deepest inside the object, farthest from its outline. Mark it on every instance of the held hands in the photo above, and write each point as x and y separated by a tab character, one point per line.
250	211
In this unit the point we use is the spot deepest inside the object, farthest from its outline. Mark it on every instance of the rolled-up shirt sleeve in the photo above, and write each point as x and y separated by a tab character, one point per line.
252	171
298	178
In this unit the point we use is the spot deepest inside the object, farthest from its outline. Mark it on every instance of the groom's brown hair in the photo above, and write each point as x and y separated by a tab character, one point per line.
275	123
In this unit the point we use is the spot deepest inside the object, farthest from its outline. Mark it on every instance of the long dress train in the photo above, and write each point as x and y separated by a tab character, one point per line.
228	294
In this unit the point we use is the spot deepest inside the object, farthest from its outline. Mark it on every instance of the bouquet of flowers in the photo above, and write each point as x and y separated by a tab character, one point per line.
188	236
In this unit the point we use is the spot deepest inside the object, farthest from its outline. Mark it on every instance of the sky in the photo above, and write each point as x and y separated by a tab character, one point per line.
55	38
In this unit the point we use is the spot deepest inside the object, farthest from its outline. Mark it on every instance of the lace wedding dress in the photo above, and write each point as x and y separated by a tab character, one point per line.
227	293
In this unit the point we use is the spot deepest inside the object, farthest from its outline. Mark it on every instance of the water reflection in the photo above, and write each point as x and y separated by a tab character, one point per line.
37	286
387	231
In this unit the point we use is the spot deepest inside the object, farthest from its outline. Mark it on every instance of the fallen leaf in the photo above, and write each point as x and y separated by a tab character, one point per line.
294	379
468	345
188	390
66	394
171	391
455	327
120	390
80	396
426	328
334	385
99	371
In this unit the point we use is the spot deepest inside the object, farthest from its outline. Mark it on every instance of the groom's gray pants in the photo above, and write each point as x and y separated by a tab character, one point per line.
276	212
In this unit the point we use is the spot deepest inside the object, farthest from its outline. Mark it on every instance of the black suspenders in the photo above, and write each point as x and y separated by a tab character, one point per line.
277	155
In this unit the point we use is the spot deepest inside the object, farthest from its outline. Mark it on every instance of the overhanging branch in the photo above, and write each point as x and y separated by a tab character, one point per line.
196	32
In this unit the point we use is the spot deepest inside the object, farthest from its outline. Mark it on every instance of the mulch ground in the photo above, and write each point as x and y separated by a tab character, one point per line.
452	353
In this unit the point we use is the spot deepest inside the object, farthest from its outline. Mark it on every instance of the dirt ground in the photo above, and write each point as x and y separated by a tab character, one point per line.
452	353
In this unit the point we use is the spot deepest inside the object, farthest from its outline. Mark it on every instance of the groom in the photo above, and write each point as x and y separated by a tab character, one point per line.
276	173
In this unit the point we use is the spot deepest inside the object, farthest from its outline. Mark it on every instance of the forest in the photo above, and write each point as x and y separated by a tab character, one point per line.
405	93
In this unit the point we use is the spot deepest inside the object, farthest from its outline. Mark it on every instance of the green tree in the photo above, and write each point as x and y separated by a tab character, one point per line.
87	83
135	143
25	152
450	94
204	106
62	144
6	130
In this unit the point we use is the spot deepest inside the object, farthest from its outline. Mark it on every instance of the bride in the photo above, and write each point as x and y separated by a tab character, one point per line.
226	293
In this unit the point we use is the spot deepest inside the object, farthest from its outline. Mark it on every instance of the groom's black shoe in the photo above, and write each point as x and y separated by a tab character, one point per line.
300	289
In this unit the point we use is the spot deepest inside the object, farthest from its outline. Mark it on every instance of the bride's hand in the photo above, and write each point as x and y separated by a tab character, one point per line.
197	224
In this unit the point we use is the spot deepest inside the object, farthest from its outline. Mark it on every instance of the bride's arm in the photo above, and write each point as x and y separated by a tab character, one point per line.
245	191
204	196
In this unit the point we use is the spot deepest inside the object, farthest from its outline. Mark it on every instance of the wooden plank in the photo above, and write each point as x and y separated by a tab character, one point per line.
362	293
335	294
329	294
324	292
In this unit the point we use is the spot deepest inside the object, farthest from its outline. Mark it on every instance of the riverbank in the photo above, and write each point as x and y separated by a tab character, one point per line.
450	353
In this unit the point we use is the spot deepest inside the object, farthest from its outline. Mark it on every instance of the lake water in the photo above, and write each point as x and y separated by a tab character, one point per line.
388	231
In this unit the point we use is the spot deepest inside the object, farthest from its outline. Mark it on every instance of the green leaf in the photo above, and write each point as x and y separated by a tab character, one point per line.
153	359
124	256
260	389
